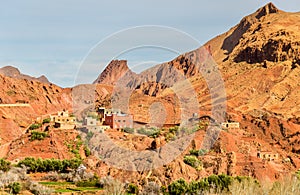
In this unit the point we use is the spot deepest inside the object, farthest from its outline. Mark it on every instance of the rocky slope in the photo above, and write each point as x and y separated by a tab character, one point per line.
259	71
259	63
13	72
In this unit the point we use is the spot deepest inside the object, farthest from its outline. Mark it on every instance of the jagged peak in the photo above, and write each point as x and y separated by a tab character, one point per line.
113	71
269	8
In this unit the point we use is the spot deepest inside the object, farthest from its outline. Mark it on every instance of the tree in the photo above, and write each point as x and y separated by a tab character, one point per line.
4	165
15	188
178	187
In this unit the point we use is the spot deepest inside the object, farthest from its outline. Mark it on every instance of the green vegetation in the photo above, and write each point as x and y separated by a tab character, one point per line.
212	184
15	187
46	120
55	183
87	151
178	187
151	132
81	186
36	135
132	189
35	126
89	136
46	165
128	130
91	183
193	161
74	146
200	152
4	165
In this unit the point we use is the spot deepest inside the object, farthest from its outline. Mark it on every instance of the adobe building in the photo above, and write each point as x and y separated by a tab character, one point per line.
63	120
89	121
267	155
92	124
119	121
230	125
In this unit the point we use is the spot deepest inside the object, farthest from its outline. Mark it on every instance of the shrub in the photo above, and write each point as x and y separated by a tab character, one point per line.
151	188
89	136
178	187
200	152
193	161
38	189
15	187
87	151
112	186
35	135
4	165
132	189
35	126
197	187
149	132
128	130
46	120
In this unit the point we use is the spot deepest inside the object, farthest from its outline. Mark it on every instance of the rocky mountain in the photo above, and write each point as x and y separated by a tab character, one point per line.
258	60
13	72
115	70
253	69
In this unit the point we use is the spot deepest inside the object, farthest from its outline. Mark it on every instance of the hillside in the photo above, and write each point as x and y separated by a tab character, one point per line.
249	75
258	62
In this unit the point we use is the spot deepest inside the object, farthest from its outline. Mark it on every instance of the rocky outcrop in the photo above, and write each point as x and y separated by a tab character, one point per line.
13	72
115	70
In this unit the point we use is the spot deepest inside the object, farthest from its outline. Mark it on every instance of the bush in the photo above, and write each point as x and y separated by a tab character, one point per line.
38	189
35	126
178	187
193	161
132	189
200	152
4	165
15	187
112	186
149	132
151	188
35	135
128	130
46	120
87	151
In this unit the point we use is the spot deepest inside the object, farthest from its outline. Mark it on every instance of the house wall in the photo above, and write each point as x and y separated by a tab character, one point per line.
119	121
89	121
232	125
267	155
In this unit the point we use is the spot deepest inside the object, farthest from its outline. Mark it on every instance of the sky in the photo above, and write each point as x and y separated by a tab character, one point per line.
71	41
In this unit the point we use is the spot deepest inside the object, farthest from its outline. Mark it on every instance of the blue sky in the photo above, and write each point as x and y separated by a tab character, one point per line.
55	37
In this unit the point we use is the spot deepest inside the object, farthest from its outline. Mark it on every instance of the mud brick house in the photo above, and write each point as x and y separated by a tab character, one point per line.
89	121
230	125
92	124
267	155
63	120
119	121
